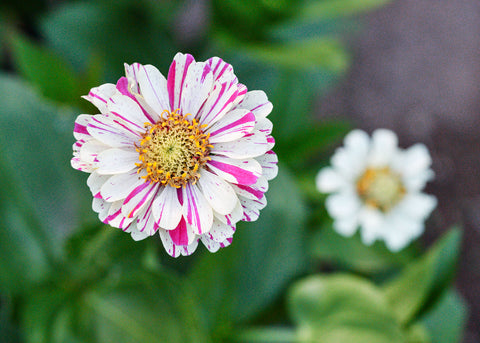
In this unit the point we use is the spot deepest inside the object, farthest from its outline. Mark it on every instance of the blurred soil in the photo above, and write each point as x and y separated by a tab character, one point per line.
416	70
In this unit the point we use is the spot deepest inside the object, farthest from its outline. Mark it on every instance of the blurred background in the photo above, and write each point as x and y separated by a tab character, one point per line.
327	66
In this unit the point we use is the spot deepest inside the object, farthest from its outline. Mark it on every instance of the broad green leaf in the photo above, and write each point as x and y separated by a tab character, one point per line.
329	246
342	308
49	73
35	149
421	283
241	280
327	9
125	306
446	321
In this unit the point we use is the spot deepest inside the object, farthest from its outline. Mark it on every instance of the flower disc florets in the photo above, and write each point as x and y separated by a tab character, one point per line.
173	150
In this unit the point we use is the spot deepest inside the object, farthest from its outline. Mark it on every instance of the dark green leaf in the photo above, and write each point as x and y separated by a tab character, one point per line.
35	150
342	308
422	282
446	320
236	283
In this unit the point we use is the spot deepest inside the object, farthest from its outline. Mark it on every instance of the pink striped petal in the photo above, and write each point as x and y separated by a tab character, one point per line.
257	102
252	192
231	218
152	86
112	132
176	78
264	126
119	186
234	125
220	231
249	146
129	111
166	208
219	194
98	96
183	234
116	161
269	164
210	244
243	172
80	130
115	217
90	150
101	207
196	209
242	91
125	87
196	87
218	103
222	71
146	221
251	208
176	250
138	198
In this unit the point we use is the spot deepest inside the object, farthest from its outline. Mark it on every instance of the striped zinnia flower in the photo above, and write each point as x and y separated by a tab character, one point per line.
187	156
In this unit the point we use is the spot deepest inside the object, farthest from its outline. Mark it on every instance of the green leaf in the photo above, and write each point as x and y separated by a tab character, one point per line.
329	246
342	308
420	284
241	280
446	321
130	306
46	71
35	151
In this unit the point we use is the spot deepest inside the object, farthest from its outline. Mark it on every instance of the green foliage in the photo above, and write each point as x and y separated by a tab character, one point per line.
421	283
342	308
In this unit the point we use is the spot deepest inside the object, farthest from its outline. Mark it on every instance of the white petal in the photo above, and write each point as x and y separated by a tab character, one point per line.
251	208
252	145
269	163
243	172
138	198
196	87
254	191
80	129
166	208
234	125
116	161
210	244
146	221
222	71
136	234
348	164
173	249
358	143
118	187
101	207
417	205
328	180
371	222
346	226
219	194
344	204
115	217
218	103
384	147
127	111
95	182
112	132
257	102
196	210
220	231
90	150
153	86
176	78
99	96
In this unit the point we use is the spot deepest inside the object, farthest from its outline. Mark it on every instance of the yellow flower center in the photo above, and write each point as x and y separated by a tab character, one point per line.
380	188
173	150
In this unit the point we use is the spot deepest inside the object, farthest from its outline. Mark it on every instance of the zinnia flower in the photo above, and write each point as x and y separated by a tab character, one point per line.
377	186
187	156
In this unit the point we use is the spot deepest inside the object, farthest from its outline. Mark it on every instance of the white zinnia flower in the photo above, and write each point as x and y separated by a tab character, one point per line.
377	186
186	156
